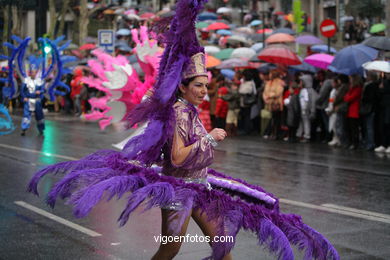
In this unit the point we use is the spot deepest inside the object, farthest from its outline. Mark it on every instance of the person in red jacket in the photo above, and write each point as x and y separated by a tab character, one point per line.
76	86
353	97
204	114
221	108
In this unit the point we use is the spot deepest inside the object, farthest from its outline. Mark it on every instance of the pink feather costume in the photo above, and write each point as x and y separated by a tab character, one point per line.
120	82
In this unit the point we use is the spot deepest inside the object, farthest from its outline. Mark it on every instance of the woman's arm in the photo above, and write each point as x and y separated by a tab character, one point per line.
199	152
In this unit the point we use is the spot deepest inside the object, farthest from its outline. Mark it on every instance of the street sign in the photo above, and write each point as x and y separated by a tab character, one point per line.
328	28
106	40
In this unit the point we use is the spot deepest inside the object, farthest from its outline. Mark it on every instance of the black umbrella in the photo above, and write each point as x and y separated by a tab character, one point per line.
378	42
266	67
256	37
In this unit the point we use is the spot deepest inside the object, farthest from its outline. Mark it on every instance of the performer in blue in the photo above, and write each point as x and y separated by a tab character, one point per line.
43	76
32	92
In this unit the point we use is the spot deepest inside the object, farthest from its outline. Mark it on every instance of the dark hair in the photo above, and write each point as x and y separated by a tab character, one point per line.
186	82
248	75
343	78
220	78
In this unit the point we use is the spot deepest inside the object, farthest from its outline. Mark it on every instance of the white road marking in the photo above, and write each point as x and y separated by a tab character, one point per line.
358	211
373	216
332	208
65	222
38	152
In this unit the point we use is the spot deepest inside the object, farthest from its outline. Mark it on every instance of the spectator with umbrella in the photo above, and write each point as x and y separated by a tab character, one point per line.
222	106
341	109
233	99
247	90
367	109
273	99
384	115
307	99
353	97
330	110
293	107
325	87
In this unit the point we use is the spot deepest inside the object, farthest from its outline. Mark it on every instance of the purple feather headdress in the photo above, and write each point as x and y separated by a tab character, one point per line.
181	44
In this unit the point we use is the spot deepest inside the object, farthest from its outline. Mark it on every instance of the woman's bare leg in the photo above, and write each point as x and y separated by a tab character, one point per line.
208	228
169	250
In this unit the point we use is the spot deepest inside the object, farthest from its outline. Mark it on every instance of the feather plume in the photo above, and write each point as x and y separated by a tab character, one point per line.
160	193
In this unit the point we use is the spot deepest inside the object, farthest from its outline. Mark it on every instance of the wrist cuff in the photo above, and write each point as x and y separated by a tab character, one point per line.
211	140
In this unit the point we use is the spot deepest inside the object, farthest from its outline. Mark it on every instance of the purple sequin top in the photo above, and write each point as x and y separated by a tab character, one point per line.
191	130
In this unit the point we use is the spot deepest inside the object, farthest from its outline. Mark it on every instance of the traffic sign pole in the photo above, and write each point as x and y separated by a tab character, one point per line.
328	29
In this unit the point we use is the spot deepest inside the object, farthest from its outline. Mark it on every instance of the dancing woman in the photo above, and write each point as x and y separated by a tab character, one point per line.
183	186
189	161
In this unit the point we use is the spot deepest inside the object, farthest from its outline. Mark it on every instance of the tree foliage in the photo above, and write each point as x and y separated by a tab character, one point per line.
365	8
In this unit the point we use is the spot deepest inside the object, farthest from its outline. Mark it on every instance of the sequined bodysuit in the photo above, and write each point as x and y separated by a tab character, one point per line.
191	130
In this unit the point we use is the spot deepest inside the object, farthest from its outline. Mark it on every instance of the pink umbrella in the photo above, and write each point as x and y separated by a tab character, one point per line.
319	60
217	26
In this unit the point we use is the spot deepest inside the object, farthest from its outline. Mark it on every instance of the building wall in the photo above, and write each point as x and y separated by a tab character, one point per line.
28	26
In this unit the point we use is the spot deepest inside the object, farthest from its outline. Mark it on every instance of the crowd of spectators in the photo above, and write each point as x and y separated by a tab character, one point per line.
343	111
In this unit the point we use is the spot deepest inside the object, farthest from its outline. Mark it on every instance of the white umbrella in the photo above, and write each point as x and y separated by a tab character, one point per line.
243	53
119	11
244	29
223	10
377	65
232	63
211	49
257	46
133	17
346	19
237	38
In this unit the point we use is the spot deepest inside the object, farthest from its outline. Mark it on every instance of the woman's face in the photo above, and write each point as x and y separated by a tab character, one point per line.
196	90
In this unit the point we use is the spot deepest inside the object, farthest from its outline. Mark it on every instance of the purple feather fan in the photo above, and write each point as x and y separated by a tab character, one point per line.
119	177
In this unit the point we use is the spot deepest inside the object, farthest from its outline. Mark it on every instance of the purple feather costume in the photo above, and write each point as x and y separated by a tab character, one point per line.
232	203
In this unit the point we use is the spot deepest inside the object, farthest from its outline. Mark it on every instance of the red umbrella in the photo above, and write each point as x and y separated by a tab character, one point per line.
280	37
217	26
266	31
279	54
147	16
87	46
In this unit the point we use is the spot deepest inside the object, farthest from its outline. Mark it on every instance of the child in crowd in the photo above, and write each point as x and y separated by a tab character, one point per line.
233	99
221	108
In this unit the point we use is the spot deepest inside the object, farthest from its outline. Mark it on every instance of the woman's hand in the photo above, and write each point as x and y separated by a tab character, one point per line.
218	134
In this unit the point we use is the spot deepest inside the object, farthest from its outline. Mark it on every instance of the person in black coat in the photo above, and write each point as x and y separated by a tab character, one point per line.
383	110
367	110
293	111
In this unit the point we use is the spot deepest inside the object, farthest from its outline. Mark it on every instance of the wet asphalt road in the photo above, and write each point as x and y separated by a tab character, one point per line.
343	194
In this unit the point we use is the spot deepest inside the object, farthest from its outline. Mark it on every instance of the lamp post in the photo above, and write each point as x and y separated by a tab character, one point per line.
41	18
263	15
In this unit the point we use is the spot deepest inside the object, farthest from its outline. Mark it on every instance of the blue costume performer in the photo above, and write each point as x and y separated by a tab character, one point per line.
32	92
36	83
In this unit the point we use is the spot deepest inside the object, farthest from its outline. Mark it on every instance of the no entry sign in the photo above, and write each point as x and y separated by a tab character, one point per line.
328	28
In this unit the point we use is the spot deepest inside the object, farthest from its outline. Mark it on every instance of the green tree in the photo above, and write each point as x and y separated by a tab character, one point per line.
365	8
